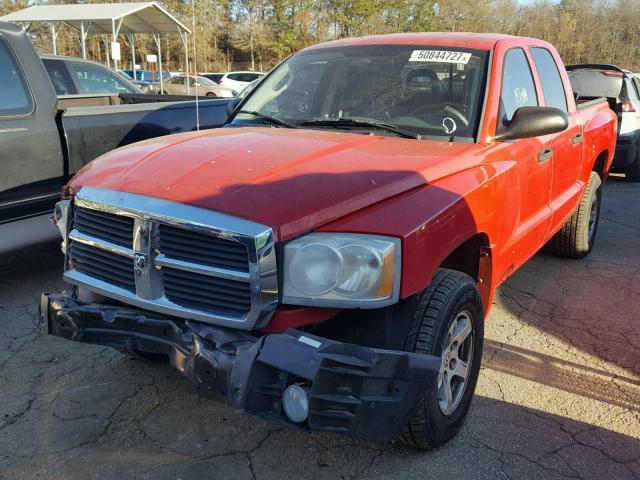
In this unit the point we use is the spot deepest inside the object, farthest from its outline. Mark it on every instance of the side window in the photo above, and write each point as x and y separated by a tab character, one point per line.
636	84
518	88
192	82
59	76
552	86
14	96
96	80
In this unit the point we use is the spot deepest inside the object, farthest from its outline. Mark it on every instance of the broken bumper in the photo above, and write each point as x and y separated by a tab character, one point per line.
358	391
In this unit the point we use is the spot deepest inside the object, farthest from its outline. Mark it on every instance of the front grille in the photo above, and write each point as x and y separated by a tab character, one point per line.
106	226
206	293
174	259
103	265
183	244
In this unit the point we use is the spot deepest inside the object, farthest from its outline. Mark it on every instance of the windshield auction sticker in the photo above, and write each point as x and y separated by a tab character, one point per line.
440	56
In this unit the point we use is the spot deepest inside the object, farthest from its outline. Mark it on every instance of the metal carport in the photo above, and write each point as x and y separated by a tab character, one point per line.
107	19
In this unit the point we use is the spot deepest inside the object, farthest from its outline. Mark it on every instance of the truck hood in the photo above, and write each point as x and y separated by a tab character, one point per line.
292	180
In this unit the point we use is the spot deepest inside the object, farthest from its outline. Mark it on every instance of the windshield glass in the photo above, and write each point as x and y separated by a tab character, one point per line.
421	89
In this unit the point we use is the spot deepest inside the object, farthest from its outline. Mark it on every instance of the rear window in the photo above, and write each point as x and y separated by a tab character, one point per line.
216	77
59	76
14	94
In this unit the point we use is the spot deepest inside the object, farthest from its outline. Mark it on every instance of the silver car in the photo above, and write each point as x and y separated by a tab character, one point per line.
195	84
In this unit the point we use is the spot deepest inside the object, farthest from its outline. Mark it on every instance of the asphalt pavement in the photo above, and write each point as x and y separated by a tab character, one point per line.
558	395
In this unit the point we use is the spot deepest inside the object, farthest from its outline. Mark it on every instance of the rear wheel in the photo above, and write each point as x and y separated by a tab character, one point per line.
575	239
448	322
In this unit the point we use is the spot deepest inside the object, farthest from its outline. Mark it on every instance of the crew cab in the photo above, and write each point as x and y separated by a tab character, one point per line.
326	261
44	138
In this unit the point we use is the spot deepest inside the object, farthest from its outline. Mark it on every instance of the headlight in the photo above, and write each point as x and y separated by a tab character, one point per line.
342	270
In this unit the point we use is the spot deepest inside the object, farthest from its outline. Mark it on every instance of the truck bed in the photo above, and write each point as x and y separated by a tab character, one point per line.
93	130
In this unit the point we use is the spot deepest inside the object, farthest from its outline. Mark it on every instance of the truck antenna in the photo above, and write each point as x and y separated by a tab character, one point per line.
195	60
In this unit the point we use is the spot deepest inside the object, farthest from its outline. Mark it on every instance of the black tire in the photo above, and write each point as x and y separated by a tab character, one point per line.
450	295
211	95
632	173
576	238
144	356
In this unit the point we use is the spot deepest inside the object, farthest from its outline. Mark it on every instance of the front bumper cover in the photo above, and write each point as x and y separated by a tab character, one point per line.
358	391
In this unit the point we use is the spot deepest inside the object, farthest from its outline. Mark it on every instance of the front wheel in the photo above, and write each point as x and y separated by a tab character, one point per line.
447	322
211	95
576	238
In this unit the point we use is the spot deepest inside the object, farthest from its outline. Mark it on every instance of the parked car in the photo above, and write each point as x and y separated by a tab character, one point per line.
234	80
148	75
146	87
72	76
594	80
47	134
327	261
194	84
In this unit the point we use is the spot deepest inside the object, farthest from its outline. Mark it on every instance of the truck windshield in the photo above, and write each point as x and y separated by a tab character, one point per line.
428	91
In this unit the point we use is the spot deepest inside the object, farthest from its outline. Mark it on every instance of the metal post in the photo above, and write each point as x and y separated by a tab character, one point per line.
54	37
186	58
83	37
158	40
114	35
132	40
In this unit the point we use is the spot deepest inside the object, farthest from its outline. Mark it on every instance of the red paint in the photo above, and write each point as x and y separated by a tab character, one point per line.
433	195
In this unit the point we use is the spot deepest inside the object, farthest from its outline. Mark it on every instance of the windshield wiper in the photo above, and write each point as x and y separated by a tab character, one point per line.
350	122
269	119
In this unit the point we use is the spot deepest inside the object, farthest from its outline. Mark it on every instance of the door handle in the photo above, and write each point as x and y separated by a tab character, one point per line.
577	138
544	155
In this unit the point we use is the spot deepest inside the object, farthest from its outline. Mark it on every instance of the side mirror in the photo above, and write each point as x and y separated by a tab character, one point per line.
231	106
533	122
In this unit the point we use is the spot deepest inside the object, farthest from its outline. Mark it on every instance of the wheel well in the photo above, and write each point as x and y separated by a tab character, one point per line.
466	258
473	257
600	164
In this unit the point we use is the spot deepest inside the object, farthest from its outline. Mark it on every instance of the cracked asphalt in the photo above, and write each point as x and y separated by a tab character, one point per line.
558	396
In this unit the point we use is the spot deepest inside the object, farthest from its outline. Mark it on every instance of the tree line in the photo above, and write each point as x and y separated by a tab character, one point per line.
257	34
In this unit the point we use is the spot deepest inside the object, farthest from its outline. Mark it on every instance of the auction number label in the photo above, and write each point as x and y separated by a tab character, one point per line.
441	56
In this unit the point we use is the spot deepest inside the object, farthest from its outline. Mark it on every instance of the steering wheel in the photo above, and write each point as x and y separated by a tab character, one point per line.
447	109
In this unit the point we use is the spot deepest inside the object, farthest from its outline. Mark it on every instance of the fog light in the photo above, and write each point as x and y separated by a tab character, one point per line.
295	402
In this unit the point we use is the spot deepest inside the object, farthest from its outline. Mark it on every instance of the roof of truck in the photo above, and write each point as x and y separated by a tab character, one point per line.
480	41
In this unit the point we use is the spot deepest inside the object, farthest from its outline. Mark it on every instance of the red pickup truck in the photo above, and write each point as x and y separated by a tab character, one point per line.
326	260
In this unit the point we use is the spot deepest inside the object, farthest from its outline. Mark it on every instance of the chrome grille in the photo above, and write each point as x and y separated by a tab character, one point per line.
103	265
187	245
206	293
106	226
175	259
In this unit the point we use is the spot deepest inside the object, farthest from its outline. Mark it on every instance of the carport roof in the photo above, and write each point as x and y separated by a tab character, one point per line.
143	17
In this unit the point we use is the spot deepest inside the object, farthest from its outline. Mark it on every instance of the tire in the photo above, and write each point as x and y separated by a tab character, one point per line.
211	95
144	356
632	173
451	298
576	238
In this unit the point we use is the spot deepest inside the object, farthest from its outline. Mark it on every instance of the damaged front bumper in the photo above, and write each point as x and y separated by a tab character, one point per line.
358	391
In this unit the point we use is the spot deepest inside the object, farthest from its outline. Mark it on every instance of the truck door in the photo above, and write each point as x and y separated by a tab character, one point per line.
566	147
31	161
533	164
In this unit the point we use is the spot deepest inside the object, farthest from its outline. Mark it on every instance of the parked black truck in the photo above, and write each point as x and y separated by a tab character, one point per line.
45	139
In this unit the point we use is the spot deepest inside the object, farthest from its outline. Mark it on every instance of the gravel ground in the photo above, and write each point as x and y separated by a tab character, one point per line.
558	396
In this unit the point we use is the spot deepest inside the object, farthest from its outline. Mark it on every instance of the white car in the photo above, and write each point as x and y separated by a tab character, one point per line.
234	80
